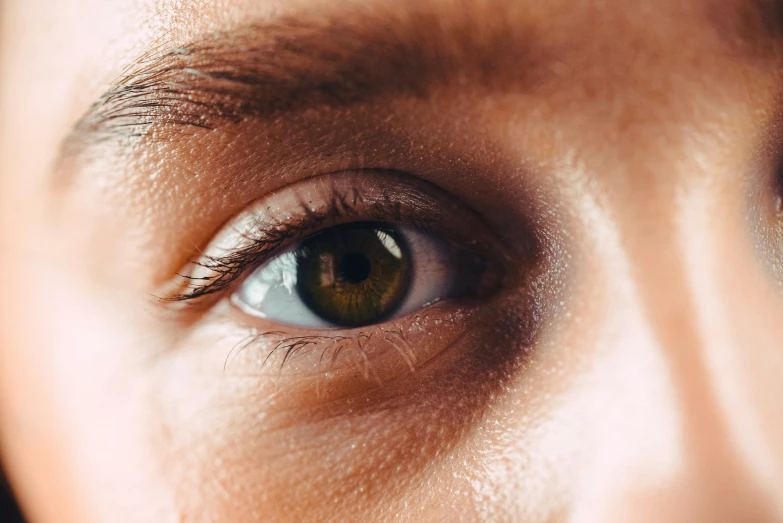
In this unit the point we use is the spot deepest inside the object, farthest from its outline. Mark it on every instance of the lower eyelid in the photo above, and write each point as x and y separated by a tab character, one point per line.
319	367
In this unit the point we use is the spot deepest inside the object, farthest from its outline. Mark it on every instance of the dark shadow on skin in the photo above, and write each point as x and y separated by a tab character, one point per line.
9	510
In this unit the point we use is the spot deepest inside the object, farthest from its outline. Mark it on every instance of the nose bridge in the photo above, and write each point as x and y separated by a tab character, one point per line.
714	482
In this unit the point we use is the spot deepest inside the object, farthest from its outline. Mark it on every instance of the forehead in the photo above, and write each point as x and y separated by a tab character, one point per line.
93	39
101	37
84	45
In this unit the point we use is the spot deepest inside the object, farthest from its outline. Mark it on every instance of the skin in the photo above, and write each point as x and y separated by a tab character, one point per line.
629	370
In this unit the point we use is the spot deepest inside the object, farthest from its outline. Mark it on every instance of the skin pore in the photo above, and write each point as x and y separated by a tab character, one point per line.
608	171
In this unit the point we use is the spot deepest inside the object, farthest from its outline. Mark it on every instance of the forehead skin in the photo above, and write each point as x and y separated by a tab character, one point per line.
652	109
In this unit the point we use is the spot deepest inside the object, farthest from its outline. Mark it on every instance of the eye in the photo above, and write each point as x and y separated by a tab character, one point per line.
359	274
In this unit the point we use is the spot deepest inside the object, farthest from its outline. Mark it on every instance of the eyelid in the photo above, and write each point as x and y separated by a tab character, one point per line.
314	367
277	220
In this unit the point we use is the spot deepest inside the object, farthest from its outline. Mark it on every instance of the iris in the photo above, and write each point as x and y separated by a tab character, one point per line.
354	275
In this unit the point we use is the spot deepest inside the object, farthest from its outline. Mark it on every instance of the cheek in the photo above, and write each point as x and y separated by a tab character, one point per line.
76	383
233	434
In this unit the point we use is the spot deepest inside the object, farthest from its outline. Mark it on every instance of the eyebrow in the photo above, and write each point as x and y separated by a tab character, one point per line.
265	70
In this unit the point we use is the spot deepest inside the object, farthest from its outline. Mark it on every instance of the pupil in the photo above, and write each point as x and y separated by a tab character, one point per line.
355	267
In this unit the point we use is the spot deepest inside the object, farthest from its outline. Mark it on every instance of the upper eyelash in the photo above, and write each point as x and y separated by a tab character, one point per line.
228	268
265	239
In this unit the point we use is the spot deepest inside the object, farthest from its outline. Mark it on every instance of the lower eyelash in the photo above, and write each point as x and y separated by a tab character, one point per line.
354	350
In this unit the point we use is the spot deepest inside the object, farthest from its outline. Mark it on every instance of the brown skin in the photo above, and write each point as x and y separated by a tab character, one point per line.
626	153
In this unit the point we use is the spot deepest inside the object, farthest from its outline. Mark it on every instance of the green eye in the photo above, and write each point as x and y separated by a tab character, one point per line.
354	275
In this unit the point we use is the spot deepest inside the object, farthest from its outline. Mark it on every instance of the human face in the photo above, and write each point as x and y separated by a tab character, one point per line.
392	261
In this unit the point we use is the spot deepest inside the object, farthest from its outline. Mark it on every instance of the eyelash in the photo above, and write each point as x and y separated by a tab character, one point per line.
264	240
330	347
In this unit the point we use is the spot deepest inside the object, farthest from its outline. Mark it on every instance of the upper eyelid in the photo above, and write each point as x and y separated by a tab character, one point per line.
236	263
266	239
